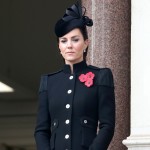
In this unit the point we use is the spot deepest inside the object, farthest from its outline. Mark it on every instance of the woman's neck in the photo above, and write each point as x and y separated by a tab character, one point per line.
71	65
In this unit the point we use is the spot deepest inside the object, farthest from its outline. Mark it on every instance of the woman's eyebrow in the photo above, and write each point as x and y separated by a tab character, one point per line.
75	36
63	38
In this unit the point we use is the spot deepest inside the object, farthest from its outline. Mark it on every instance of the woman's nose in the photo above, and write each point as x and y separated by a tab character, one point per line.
69	44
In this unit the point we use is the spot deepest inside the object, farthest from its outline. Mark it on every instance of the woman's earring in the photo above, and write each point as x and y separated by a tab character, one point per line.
84	50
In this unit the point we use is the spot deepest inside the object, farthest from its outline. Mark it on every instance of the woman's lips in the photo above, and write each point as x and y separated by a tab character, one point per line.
69	52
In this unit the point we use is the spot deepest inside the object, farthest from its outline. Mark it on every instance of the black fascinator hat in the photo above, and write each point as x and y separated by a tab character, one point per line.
73	18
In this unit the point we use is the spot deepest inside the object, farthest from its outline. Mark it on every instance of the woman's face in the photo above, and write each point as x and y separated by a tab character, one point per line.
72	46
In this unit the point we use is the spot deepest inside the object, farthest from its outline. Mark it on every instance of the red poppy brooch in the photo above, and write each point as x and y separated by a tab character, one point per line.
87	78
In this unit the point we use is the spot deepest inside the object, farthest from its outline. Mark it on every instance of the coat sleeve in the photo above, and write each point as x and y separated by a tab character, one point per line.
106	110
42	130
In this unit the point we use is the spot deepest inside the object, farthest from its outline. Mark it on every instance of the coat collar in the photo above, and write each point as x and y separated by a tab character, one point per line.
78	67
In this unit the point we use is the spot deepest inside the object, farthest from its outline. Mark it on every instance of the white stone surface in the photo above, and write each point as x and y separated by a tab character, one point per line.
140	77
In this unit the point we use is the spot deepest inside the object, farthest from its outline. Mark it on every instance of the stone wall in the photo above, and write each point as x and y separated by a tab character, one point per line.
110	47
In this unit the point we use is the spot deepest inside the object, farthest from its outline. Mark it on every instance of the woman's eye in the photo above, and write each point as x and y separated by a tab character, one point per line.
63	41
75	40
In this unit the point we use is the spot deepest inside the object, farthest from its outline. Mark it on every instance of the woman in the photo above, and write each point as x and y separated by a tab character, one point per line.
77	100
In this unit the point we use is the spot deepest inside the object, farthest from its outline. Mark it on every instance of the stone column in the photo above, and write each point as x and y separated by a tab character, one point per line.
110	47
139	138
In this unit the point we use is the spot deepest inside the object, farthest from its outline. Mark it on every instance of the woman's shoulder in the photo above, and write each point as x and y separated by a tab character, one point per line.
44	79
46	75
101	70
104	75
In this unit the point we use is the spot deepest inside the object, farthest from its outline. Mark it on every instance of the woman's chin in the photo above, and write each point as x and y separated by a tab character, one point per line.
70	59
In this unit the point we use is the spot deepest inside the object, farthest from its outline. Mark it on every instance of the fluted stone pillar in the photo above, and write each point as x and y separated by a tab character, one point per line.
139	138
110	47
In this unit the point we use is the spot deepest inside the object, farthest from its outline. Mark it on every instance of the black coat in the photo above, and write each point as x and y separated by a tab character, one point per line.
69	111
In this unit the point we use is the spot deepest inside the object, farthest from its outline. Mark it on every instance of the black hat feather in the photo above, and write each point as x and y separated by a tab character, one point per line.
73	18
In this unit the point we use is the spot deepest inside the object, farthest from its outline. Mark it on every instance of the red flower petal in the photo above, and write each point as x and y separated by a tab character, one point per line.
89	82
82	78
87	78
90	75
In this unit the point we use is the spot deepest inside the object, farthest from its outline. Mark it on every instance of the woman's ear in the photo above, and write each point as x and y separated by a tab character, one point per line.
86	43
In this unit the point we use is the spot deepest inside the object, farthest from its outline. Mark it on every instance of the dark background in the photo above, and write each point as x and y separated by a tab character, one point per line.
28	48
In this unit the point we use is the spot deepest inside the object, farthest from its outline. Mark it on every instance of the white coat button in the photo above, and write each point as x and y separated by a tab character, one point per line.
85	121
67	106
69	91
67	121
67	136
54	123
71	77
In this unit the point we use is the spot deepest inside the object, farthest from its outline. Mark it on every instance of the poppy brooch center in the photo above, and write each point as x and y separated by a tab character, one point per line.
87	78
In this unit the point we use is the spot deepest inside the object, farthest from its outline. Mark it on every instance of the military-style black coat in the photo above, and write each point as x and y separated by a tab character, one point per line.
69	111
